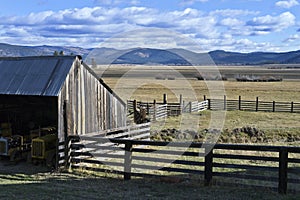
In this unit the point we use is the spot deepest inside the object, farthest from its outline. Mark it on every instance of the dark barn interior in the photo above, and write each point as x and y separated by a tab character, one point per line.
21	115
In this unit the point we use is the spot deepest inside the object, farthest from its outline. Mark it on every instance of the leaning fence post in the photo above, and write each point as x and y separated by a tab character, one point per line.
283	167
127	160
208	168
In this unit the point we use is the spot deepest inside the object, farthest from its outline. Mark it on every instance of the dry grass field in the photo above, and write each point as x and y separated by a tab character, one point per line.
141	83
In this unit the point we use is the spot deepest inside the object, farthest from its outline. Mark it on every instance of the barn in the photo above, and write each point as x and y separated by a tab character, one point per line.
57	95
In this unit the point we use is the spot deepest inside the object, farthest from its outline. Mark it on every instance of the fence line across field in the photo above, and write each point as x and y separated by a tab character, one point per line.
177	108
256	106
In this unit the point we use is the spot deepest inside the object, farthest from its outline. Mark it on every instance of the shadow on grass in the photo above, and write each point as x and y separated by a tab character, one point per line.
27	181
78	186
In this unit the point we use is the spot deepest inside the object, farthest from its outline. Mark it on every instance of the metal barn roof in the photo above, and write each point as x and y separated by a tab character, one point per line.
43	76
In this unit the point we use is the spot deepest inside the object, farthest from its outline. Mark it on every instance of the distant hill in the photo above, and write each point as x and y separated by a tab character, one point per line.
223	57
7	50
148	56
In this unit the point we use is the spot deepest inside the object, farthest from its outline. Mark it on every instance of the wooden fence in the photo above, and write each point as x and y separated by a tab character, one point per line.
277	167
98	144
271	106
157	112
195	106
161	110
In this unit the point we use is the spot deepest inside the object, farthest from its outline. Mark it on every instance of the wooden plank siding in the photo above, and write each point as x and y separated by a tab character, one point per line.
91	104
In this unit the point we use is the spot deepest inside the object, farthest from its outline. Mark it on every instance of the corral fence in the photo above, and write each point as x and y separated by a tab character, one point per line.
245	105
158	110
195	106
275	167
98	144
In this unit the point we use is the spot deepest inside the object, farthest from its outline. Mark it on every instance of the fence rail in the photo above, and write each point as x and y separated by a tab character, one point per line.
245	105
158	112
274	166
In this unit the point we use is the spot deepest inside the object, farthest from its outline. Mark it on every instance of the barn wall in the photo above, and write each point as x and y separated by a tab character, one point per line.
91	106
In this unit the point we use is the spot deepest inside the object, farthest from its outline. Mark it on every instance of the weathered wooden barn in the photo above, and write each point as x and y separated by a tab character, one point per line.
57	91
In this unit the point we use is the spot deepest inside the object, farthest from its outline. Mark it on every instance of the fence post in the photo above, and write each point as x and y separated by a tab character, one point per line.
209	104
224	102
204	97
190	107
154	110
283	167
273	106
208	168
292	107
127	160
165	99
240	102
147	108
256	106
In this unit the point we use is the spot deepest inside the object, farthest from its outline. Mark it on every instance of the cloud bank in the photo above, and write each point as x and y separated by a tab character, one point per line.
227	29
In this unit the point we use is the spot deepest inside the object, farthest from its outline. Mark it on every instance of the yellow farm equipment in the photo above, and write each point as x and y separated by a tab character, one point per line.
43	149
13	147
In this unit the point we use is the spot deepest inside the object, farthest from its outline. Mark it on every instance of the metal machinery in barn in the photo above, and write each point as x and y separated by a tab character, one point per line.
44	149
39	146
12	146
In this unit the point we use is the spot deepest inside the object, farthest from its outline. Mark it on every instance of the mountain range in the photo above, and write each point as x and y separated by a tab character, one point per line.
151	56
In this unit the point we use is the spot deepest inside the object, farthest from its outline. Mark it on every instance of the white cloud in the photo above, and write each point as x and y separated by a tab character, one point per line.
287	4
191	2
231	22
268	23
292	38
233	12
90	26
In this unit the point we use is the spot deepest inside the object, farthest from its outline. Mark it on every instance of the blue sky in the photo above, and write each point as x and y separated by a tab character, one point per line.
232	25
